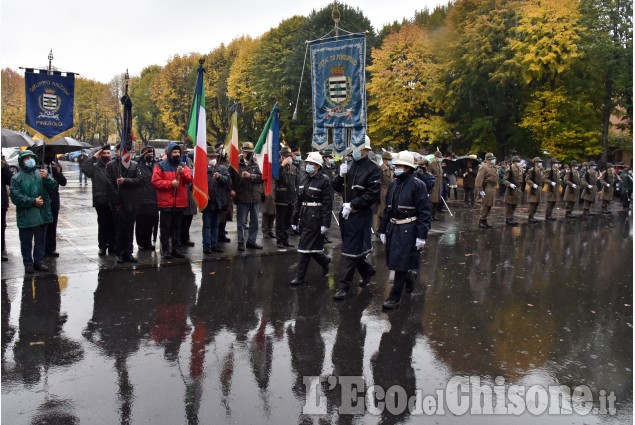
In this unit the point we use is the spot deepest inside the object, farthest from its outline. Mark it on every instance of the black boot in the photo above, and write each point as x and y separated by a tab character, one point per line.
483	224
303	266
324	261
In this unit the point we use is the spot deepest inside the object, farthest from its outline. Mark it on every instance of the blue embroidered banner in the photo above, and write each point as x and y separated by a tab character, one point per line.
338	86
50	100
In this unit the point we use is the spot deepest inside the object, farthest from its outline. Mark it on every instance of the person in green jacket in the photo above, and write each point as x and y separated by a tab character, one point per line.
30	189
626	177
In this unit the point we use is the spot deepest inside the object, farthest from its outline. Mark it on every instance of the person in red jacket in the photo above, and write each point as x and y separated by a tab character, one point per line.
171	177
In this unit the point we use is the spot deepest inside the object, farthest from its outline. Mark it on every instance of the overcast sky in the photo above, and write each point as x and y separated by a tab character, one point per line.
100	42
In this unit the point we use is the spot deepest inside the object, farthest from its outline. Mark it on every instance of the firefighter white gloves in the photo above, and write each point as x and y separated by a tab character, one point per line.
346	210
323	229
294	227
420	243
343	169
382	238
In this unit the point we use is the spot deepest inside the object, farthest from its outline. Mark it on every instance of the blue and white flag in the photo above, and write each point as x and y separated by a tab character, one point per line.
338	86
50	99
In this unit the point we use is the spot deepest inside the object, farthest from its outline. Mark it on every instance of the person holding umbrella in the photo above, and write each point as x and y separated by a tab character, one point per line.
404	226
30	191
312	215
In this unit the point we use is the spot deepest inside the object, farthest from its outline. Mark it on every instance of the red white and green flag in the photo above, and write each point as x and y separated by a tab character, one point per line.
267	150
197	133
231	144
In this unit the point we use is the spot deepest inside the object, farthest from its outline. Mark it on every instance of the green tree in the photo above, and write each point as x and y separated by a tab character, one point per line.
146	113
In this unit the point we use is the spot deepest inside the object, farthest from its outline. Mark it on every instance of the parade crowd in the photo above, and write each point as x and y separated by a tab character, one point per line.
396	198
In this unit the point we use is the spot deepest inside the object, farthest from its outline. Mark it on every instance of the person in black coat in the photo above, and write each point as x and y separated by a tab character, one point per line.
285	196
147	219
6	183
95	168
218	184
312	215
360	185
122	194
55	170
404	226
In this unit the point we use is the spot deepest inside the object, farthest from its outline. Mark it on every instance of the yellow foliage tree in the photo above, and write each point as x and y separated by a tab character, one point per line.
13	100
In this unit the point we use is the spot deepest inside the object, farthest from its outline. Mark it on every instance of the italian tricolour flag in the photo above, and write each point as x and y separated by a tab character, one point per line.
197	132
267	150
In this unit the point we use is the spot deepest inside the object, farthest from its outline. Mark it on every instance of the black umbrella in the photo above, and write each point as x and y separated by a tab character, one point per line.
63	145
460	163
15	139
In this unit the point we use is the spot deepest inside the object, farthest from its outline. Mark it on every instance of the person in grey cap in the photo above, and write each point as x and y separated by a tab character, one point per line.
572	190
513	179
551	177
607	179
486	181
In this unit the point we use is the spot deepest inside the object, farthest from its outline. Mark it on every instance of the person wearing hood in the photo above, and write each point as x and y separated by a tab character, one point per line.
95	168
170	178
30	192
360	184
312	215
404	226
147	221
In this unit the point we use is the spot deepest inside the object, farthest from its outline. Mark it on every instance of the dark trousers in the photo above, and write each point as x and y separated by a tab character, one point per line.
4	226
305	259
283	222
186	222
348	266
51	233
533	207
469	195
509	212
268	223
623	197
402	278
105	229
147	220
32	243
549	209
124	231
170	226
222	232
570	206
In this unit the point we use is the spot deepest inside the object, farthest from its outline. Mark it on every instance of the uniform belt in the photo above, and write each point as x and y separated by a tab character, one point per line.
403	221
311	204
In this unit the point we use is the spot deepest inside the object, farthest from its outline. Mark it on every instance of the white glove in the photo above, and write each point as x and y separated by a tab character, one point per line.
553	183
574	186
482	193
343	169
346	210
608	185
382	238
535	186
323	229
420	243
294	227
590	187
512	186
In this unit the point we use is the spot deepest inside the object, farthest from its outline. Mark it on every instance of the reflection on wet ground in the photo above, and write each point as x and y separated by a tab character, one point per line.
229	341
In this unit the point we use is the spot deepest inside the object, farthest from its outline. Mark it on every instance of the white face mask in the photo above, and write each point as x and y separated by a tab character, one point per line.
212	162
493	161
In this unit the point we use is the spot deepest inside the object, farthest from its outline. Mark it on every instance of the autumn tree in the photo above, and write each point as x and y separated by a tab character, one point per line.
401	94
13	100
146	113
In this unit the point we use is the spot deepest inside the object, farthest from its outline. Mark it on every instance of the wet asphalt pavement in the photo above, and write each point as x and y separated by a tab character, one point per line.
225	339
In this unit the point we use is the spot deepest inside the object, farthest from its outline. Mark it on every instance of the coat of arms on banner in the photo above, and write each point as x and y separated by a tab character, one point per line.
49	104
339	93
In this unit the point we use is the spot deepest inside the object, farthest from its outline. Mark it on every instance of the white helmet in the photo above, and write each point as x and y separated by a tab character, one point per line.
315	158
404	158
366	143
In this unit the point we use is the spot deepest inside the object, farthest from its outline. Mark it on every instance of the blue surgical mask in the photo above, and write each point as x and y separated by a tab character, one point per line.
493	162
399	171
331	161
29	163
357	155
390	162
594	167
310	168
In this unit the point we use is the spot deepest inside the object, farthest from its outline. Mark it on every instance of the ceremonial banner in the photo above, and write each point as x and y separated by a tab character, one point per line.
126	130
197	133
338	86
49	103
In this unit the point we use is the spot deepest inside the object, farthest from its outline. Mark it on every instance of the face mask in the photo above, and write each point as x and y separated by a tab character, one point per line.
310	168
577	168
539	165
594	167
518	164
29	163
248	156
389	162
105	159
149	159
175	159
331	161
399	171
357	155
439	159
296	160
212	162
493	162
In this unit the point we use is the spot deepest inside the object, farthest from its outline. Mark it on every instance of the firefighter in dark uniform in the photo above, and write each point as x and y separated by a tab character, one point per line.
329	170
359	183
534	184
404	226
513	179
551	178
572	191
285	196
312	215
